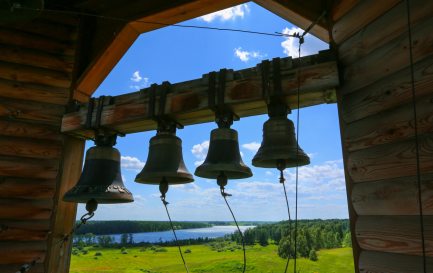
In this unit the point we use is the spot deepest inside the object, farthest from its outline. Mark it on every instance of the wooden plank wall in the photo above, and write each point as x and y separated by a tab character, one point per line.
36	69
377	127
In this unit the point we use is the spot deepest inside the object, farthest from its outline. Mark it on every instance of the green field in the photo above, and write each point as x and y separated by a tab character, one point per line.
204	260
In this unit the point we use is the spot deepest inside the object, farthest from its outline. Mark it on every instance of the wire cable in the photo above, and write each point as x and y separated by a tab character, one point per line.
112	18
415	126
174	233
301	41
26	267
282	180
224	195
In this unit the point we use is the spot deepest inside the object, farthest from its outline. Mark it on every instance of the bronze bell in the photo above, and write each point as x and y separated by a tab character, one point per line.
164	161
279	148
223	157
101	178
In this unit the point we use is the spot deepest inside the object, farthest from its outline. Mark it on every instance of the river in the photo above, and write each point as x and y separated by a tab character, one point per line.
182	234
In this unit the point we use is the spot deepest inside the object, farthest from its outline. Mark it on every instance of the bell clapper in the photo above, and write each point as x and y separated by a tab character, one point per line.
163	188
281	165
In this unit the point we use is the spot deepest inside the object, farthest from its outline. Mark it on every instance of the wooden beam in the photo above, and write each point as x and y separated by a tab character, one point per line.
188	101
300	13
29	188
124	37
380	262
395	234
63	217
24	230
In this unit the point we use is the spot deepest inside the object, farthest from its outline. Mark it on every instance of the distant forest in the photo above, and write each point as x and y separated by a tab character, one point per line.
312	234
121	227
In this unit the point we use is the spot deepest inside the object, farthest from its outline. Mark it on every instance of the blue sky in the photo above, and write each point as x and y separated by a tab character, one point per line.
179	54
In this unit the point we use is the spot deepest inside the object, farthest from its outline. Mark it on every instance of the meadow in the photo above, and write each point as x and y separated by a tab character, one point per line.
205	259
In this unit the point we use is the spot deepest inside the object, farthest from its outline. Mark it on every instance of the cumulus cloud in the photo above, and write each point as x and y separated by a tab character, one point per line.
138	81
311	45
245	55
200	151
252	146
131	163
227	14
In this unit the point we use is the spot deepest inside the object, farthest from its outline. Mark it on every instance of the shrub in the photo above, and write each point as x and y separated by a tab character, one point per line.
124	252
187	250
98	254
313	255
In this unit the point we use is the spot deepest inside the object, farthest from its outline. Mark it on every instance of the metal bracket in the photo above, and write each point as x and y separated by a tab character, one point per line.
224	116
166	124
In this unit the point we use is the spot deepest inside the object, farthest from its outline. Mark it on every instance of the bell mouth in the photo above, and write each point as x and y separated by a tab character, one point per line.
231	171
271	162
156	178
103	195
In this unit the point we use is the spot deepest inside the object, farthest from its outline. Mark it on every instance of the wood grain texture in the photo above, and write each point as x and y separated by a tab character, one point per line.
397	196
358	17
63	220
391	126
22	252
389	92
390	58
395	234
34	75
13	128
12	268
33	92
27	111
383	30
30	148
379	262
20	209
24	230
30	188
28	168
390	161
188	101
341	7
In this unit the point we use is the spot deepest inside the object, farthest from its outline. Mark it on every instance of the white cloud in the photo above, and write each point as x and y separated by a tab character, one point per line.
132	163
138	82
310	46
245	55
200	151
269	173
227	14
253	146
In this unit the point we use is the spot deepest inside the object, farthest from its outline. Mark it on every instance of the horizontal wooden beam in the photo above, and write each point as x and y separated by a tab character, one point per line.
187	102
379	262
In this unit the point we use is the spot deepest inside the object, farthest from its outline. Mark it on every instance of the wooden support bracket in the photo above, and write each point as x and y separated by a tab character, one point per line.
188	101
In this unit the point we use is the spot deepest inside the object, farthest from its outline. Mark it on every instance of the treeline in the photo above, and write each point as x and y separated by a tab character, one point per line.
312	236
122	227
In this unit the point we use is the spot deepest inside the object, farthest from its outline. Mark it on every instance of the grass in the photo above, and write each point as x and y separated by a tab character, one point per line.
204	260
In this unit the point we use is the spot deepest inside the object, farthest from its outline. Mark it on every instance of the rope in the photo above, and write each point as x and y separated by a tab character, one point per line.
174	232
224	195
297	154
83	220
282	180
418	170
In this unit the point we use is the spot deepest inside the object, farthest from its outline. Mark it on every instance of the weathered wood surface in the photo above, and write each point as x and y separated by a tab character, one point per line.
188	101
30	188
31	148
22	252
391	126
21	209
390	161
380	262
358	17
32	41
397	196
300	13
28	168
341	8
388	92
383	30
111	52
63	219
30	74
395	234
24	230
13	128
12	268
389	58
33	92
55	31
19	110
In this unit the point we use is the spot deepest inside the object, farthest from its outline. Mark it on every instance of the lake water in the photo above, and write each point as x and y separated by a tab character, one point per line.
182	234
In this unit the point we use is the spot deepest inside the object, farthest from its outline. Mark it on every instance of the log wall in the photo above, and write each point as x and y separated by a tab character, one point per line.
36	70
377	129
